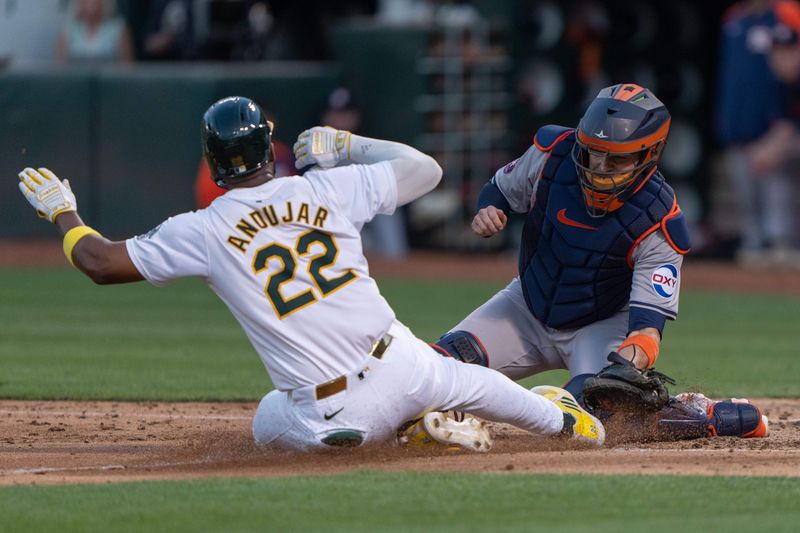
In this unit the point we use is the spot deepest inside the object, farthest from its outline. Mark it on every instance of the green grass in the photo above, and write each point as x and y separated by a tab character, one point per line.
371	501
61	337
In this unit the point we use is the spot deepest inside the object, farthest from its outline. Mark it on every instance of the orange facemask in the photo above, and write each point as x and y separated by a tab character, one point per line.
600	200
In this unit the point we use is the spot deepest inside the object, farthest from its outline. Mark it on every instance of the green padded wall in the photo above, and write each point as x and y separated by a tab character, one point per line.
148	146
293	93
45	121
380	64
128	139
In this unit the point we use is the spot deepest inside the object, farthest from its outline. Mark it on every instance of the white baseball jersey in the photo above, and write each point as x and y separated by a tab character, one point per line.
286	259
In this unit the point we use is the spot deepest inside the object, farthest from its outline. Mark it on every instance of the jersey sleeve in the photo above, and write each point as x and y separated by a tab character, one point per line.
516	180
359	191
175	249
656	283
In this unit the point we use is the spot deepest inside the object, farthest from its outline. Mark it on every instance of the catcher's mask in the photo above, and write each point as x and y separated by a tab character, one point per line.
237	140
617	145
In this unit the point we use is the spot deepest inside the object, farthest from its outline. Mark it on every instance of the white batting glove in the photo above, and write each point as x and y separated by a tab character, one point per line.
323	146
46	193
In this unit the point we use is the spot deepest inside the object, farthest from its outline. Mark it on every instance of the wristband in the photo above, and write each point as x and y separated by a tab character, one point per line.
646	343
72	237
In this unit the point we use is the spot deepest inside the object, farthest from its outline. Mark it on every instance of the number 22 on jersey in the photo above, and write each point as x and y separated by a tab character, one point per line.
283	305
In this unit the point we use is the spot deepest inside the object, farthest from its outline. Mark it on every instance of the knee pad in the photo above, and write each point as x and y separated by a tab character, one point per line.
464	346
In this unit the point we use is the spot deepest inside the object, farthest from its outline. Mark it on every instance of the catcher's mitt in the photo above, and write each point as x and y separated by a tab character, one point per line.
622	387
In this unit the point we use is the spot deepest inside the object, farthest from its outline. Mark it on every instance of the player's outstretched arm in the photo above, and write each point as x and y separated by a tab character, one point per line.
416	173
102	260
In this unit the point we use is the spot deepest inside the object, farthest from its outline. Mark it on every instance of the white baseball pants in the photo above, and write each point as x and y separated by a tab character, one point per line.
411	379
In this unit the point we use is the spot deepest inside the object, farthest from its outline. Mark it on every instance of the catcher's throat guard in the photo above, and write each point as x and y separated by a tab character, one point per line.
618	143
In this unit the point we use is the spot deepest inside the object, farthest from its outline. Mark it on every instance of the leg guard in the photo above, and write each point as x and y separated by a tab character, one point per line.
736	419
464	346
692	416
688	416
675	421
680	421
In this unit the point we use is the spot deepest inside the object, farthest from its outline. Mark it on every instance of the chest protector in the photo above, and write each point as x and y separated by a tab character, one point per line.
576	269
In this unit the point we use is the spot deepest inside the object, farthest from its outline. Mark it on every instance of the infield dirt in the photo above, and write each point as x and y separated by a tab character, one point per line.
70	442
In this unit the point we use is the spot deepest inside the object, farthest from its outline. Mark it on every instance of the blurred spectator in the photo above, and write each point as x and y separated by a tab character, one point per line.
94	33
405	12
777	152
747	104
341	111
266	42
265	29
168	34
386	234
587	27
205	190
223	28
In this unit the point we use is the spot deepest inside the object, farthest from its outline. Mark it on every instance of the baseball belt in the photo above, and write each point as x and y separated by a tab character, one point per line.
329	388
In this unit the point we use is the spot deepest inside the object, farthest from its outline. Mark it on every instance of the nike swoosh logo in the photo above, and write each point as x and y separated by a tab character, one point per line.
327	416
562	217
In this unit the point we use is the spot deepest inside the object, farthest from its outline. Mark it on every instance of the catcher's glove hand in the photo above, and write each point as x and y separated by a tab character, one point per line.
622	387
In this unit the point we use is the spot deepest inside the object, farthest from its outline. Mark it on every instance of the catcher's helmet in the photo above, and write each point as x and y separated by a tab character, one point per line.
618	143
237	139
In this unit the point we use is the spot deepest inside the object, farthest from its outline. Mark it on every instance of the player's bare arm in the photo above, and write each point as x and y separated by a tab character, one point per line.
416	173
102	260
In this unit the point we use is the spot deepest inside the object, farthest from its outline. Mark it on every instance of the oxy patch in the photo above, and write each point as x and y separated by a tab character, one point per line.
665	280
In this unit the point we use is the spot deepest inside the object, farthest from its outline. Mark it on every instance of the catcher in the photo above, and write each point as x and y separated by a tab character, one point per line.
599	271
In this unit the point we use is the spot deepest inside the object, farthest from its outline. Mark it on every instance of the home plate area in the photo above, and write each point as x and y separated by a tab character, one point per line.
83	442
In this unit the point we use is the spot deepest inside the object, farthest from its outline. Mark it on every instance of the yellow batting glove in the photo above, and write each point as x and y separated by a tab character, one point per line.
323	146
46	193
